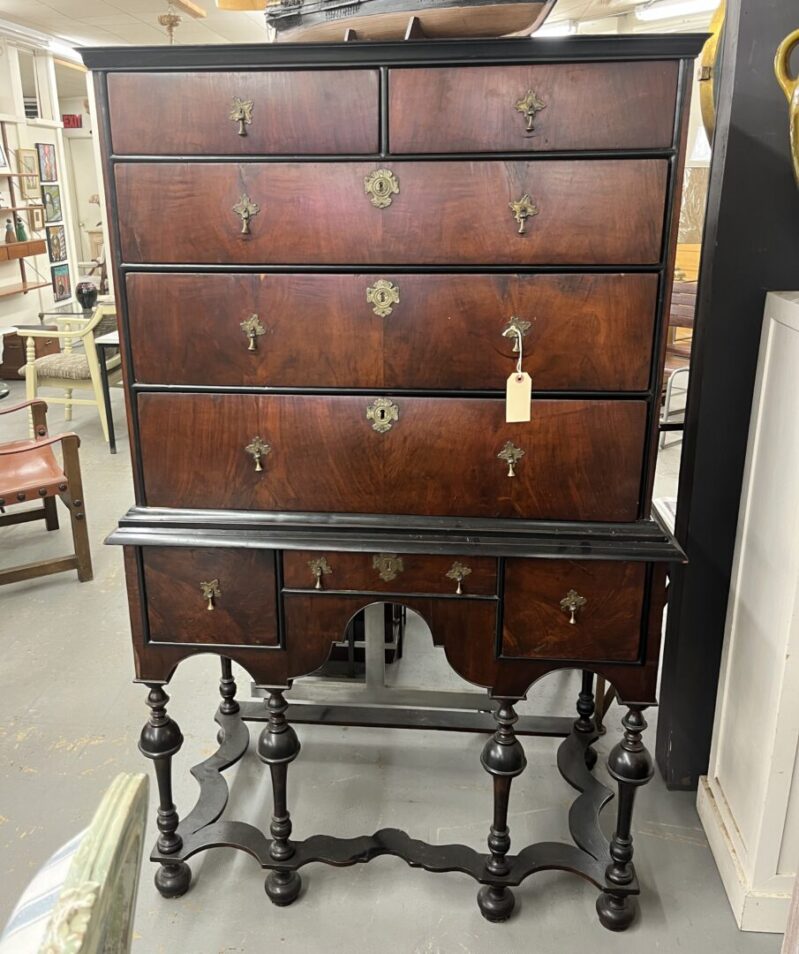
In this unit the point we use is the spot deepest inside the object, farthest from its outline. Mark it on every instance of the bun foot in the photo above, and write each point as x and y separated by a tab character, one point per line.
616	914
283	887
173	880
496	904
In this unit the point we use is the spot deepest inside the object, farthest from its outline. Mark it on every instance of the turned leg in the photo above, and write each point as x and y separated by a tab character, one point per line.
585	714
227	689
631	765
278	746
503	758
160	740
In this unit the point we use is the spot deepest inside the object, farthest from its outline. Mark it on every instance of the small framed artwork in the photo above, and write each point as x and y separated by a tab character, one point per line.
57	243
4	166
51	200
36	218
62	286
28	160
47	165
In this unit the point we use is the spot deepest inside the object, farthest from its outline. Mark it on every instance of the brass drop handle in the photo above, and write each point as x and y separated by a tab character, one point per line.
517	329
458	572
319	568
252	328
258	449
241	113
211	591
523	209
381	185
245	208
529	106
571	603
511	454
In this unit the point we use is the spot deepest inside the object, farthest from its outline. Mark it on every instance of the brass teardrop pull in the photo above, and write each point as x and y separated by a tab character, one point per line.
529	106
319	568
571	603
523	209
245	208
253	329
458	572
241	113
258	449
211	591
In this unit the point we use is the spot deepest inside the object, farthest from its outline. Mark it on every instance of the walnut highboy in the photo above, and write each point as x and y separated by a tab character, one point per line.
329	259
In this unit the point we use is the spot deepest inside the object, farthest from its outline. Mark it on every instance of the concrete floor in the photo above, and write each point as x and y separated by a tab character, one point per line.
71	719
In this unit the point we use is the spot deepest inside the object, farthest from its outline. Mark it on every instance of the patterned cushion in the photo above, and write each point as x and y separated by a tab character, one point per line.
24	932
73	367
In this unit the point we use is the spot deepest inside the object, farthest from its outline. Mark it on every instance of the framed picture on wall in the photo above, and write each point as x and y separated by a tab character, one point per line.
47	164
36	218
57	243
4	166
28	160
51	200
62	285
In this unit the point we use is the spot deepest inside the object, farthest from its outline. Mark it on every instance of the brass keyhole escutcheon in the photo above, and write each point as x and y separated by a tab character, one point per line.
380	186
571	603
211	591
319	568
388	566
258	449
383	295
382	413
511	454
245	208
523	209
529	106
458	572
241	113
252	328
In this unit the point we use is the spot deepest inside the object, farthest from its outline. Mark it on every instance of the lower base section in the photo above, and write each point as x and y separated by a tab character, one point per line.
615	913
173	880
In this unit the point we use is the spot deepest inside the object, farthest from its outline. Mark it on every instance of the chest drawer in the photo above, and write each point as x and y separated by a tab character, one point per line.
390	330
590	212
390	573
210	595
532	107
282	112
576	460
573	609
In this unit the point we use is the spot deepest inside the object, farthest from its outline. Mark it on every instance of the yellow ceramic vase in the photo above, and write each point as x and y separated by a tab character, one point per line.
790	86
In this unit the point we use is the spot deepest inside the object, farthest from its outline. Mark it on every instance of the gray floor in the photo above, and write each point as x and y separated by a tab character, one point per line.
71	718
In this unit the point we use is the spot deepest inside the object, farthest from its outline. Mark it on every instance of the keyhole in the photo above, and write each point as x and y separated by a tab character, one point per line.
381	414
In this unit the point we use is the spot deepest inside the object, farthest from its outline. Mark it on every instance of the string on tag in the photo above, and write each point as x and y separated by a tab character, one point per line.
519	337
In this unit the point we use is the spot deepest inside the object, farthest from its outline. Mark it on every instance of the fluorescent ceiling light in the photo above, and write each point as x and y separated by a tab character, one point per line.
563	28
667	9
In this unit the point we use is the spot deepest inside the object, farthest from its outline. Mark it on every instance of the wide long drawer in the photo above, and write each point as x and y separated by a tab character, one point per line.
576	460
534	107
394	331
533	211
277	112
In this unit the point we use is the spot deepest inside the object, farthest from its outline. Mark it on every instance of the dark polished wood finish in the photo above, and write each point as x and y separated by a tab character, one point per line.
582	458
583	106
608	626
590	212
161	114
445	331
244	612
418	574
254	455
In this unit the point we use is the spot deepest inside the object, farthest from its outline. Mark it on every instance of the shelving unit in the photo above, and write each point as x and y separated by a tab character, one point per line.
21	288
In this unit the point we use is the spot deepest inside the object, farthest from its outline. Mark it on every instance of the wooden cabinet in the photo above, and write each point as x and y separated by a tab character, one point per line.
331	260
14	353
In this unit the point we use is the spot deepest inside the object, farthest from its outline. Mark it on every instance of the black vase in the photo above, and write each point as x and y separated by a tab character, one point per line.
86	294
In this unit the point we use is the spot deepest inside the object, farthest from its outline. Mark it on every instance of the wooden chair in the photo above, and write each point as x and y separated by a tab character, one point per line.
71	369
84	898
29	470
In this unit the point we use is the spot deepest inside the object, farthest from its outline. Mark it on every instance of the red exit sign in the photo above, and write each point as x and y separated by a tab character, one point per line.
72	121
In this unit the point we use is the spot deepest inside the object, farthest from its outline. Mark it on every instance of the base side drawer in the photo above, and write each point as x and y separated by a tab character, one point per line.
572	609
390	573
210	595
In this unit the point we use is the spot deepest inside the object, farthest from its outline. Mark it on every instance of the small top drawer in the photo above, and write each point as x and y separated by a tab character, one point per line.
245	113
535	108
390	573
